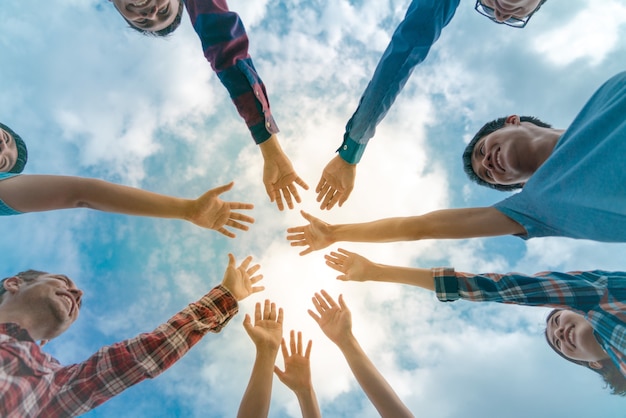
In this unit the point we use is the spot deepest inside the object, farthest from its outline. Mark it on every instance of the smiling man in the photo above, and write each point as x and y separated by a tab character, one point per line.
225	45
13	151
572	183
409	46
38	306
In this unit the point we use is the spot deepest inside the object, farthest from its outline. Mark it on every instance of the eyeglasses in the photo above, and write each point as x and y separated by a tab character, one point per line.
512	21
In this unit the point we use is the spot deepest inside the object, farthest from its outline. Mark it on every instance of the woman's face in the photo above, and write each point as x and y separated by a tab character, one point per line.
148	15
8	151
572	335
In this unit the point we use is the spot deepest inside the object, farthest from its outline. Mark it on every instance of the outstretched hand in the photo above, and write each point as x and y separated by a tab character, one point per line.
209	211
353	266
336	183
297	374
267	331
334	319
239	280
315	236
279	177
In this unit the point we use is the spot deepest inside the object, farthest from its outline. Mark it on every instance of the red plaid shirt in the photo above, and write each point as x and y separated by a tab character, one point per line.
34	384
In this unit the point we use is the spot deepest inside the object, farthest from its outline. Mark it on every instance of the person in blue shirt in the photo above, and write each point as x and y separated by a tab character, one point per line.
409	46
587	328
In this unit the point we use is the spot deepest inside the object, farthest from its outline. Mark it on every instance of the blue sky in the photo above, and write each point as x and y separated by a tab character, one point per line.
93	98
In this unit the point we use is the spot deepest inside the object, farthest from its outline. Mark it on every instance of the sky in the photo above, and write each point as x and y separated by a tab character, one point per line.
93	98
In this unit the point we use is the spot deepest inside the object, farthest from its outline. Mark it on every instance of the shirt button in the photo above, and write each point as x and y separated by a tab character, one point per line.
257	93
269	125
345	147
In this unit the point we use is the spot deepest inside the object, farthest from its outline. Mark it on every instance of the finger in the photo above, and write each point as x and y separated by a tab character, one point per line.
240	205
315	316
307	251
300	243
316	302
307	354
226	232
329	202
301	183
335	266
237	225
345	252
273	312
299	343
241	217
256	278
292	343
221	189
343	278
231	260
267	309
253	269
245	263
294	192
279	373
283	348
246	323
340	257
295	230
279	201
344	197
257	289
287	195
322	194
342	304
281	314
328	299
297	235
257	312
320	184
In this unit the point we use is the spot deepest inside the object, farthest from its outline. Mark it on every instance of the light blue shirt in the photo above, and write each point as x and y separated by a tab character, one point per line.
409	46
580	191
4	209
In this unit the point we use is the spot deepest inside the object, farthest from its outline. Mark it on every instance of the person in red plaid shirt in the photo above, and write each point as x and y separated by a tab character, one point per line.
37	306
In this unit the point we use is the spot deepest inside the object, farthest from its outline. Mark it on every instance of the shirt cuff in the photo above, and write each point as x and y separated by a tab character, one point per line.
351	151
222	303
446	284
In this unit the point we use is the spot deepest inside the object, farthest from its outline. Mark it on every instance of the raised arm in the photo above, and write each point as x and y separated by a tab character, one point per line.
225	45
297	375
266	333
409	46
335	321
447	223
36	193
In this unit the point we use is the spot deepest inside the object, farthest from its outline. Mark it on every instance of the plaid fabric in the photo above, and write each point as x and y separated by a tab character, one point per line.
34	384
225	45
598	295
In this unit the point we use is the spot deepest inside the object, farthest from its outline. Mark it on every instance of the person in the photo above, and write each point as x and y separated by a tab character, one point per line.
266	333
572	183
225	45
409	46
588	328
335	320
36	193
13	151
297	375
38	306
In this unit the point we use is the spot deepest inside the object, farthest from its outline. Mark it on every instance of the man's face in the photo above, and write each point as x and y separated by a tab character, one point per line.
505	156
55	299
506	9
8	151
573	336
149	15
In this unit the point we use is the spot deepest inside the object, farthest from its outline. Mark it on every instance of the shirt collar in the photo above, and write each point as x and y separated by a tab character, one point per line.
15	331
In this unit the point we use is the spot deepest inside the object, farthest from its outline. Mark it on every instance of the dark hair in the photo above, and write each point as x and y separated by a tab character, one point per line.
165	31
22	151
487	129
27	276
612	376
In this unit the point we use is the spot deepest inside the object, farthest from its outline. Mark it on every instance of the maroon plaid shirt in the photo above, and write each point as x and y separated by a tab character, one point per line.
34	384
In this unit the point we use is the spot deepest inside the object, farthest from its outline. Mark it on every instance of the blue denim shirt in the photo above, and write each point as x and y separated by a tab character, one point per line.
409	46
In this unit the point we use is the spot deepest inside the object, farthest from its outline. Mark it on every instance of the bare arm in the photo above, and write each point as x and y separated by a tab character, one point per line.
335	321
447	223
266	333
36	193
359	269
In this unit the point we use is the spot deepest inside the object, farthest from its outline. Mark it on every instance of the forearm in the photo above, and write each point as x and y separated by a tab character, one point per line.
447	223
379	392
256	398
34	193
308	404
404	275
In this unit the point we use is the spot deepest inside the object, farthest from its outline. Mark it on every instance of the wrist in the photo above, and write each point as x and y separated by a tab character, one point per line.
271	147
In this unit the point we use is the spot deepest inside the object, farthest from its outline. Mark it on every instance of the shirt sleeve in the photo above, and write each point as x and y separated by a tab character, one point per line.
6	210
114	368
409	46
225	45
581	291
